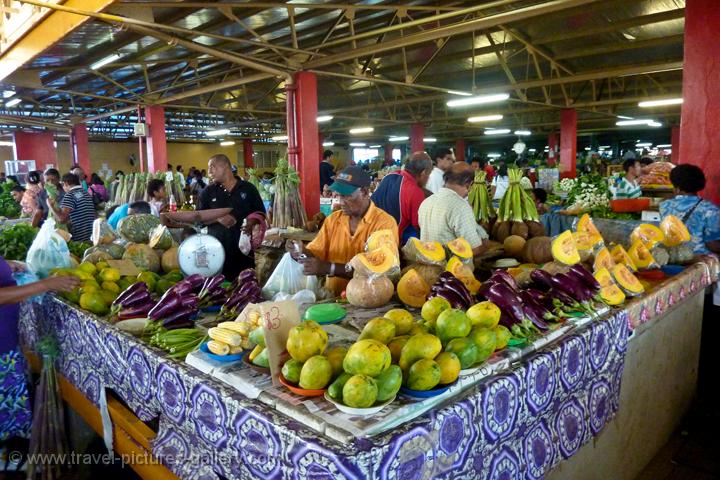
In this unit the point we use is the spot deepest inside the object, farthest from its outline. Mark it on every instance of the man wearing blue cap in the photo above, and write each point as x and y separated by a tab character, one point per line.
345	231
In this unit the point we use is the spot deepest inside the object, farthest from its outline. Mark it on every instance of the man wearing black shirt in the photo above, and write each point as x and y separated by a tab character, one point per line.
327	171
229	191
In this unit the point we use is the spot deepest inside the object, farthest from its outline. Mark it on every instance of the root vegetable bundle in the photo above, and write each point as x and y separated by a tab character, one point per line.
517	214
288	210
480	200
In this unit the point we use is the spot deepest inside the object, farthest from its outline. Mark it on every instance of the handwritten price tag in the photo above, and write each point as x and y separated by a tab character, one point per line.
278	319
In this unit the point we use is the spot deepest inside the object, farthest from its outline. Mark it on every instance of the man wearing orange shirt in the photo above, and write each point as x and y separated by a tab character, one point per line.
344	232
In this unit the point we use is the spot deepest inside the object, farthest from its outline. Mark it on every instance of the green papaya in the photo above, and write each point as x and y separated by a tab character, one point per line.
388	383
336	388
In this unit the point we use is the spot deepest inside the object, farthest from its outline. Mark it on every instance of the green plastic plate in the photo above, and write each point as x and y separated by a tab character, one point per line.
325	313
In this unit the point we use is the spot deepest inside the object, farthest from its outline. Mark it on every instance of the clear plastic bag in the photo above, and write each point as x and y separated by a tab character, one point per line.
288	277
47	251
245	244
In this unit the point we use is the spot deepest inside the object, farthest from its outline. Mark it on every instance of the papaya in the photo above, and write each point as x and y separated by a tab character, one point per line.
485	341
484	314
451	324
360	391
395	346
315	373
336	355
466	351
402	319
449	367
502	337
335	390
94	302
262	359
432	309
306	340
291	371
367	357
422	345
388	383
380	329
424	374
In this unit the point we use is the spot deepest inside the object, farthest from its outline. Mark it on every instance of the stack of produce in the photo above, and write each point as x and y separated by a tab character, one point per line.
177	307
243	291
480	200
656	175
242	334
16	240
134	302
427	263
309	367
371	285
574	291
517	214
588	193
653	247
177	342
212	292
100	286
288	210
9	208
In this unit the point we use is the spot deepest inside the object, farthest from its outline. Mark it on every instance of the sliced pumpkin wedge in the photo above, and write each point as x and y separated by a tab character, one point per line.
627	280
620	255
603	259
674	230
564	250
648	234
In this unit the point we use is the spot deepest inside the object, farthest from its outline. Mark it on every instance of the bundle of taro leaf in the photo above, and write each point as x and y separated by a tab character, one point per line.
243	291
453	290
517	213
47	438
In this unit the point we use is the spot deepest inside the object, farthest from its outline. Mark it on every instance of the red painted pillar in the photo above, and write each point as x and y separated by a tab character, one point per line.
321	149
568	142
248	152
157	160
700	124
417	137
306	135
552	149
81	147
460	150
36	146
675	142
388	154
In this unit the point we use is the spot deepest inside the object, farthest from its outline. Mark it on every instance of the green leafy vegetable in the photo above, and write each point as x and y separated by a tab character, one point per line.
15	241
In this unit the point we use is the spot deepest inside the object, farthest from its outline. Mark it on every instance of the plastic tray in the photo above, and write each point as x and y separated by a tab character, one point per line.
221	358
359	411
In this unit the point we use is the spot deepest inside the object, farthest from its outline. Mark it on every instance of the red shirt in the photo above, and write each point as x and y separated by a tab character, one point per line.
400	196
489	173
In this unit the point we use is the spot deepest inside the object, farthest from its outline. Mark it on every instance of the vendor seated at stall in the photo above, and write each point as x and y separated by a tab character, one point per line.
343	234
17	192
627	186
701	217
447	215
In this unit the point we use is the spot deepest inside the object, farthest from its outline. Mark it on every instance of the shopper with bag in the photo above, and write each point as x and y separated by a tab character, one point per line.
77	209
15	413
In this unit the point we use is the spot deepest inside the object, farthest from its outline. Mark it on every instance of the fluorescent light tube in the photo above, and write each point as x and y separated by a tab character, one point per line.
478	100
485	118
660	103
361	130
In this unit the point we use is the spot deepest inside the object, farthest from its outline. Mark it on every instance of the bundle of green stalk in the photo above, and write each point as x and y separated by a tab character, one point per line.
253	178
517	214
480	200
133	187
288	209
177	342
47	438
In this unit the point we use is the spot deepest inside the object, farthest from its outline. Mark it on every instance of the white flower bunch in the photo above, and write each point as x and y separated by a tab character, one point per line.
564	185
591	197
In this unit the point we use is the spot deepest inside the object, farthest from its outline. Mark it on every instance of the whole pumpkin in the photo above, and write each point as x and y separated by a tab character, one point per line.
369	292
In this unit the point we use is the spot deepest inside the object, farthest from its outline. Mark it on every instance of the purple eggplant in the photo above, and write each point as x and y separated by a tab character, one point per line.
542	278
233	300
502	296
179	319
535	312
459	287
247	275
190	301
138	298
507	320
453	299
540	297
585	276
138	311
572	287
504	276
563	298
182	288
445	276
129	291
166	306
196	280
248	287
210	285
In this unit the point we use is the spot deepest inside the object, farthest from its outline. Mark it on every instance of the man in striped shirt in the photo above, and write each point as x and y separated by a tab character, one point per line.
76	208
628	187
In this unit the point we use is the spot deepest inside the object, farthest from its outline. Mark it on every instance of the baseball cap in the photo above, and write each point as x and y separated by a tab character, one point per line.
349	180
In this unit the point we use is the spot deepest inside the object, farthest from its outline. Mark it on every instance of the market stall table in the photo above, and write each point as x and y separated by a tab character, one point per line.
524	419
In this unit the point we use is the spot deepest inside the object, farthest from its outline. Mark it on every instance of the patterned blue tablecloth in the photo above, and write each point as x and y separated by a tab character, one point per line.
514	425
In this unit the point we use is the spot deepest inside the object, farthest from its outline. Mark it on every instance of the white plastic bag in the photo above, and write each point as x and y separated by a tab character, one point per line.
244	244
300	298
47	251
288	277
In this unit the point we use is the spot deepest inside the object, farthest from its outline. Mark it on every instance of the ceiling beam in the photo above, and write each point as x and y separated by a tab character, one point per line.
269	5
